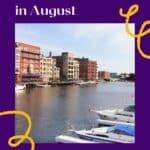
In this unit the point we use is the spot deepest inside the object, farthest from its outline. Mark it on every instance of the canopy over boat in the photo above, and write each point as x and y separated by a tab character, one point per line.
130	130
130	108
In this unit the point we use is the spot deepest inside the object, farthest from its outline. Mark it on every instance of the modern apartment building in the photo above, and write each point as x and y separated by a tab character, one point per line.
49	71
69	67
46	66
29	62
55	71
87	69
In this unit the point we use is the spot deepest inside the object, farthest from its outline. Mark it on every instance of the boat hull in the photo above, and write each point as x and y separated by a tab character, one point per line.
20	88
100	138
119	118
112	122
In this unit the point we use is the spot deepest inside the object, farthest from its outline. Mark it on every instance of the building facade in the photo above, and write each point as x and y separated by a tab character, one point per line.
55	71
69	67
103	75
29	62
59	63
123	76
87	69
46	68
113	75
17	64
76	70
49	71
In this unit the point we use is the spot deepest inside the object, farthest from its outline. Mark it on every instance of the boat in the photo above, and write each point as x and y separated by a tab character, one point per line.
114	134
129	111
70	139
20	87
112	122
121	115
43	85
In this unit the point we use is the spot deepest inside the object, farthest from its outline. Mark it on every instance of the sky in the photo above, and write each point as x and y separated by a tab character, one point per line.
108	44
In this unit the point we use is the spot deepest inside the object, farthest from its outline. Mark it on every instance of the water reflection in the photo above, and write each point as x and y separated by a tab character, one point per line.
52	109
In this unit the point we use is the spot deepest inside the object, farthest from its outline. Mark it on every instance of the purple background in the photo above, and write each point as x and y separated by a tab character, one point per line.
91	11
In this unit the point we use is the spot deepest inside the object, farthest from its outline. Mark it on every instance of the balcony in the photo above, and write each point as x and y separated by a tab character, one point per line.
31	51
29	75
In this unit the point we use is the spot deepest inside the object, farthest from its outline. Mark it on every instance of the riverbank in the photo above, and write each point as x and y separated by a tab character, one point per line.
56	83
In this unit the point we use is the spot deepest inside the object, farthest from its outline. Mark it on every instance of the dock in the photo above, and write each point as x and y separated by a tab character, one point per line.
33	84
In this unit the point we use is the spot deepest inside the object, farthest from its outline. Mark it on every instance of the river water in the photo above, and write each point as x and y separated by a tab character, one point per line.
55	109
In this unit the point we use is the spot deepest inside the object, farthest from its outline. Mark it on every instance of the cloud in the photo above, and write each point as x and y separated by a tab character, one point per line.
87	30
109	44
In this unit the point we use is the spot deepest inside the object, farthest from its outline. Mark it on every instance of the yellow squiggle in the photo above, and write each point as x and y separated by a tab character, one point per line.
20	138
132	11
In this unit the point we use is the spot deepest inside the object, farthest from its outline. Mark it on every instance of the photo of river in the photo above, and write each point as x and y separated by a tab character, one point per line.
54	109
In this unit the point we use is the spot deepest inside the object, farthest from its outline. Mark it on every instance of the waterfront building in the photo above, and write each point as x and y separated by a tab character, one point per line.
46	68
69	68
55	71
103	75
59	64
99	75
113	75
29	62
17	64
87	69
49	71
76	70
123	76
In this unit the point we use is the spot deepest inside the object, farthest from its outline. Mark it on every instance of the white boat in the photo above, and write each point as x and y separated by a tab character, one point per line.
112	122
69	139
121	115
115	134
20	87
43	85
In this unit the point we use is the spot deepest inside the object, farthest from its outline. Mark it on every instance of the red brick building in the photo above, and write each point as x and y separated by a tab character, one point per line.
87	69
103	75
29	62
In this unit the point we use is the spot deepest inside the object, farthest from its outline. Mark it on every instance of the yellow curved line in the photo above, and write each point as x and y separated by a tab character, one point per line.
13	138
146	56
133	9
20	138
